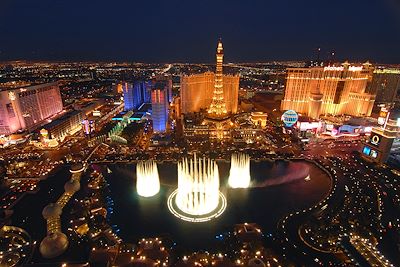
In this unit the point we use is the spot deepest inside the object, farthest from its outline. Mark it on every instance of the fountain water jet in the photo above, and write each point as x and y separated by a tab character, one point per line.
197	198
239	176
147	179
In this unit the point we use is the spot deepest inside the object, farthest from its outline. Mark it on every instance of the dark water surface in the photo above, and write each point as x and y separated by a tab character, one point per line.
277	189
28	211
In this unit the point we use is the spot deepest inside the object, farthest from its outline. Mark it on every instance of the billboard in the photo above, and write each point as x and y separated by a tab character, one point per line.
289	118
383	114
329	127
375	139
374	154
88	126
366	150
304	126
381	120
370	152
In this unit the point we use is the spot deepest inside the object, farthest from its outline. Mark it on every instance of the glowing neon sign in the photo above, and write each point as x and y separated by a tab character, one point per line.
375	140
333	68
354	68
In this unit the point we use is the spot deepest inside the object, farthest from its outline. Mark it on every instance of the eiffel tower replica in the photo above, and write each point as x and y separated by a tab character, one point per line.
217	115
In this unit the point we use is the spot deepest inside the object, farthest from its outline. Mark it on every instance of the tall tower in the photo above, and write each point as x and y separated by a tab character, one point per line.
217	107
159	106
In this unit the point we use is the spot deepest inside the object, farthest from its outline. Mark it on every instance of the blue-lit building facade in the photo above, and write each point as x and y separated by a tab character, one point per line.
167	81
159	106
135	94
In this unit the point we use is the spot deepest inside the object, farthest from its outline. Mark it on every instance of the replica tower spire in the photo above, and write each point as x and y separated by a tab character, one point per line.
217	107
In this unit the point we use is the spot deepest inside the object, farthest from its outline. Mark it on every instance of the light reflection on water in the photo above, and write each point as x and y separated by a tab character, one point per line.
138	217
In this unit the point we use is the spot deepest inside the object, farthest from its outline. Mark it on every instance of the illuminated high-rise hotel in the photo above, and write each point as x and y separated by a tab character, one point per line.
28	107
197	92
386	85
213	91
217	107
159	106
333	90
135	94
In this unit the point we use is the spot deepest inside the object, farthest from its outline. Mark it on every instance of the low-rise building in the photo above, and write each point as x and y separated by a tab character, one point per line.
67	124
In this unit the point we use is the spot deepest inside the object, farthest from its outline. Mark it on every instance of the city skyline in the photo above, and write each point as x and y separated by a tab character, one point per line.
279	147
135	32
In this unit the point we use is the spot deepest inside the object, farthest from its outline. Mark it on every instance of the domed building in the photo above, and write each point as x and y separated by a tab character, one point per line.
78	167
72	186
51	210
53	245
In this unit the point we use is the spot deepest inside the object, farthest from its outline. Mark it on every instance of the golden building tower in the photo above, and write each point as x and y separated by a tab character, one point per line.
197	91
217	107
336	90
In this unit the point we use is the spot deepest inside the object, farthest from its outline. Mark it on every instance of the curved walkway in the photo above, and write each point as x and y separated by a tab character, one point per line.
55	243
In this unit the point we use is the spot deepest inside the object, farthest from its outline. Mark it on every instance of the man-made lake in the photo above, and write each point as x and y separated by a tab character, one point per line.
277	189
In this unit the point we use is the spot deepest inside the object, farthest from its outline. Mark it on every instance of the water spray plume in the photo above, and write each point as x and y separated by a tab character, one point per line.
239	176
147	179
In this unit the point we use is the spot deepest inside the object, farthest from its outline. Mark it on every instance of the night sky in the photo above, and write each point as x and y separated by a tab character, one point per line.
187	30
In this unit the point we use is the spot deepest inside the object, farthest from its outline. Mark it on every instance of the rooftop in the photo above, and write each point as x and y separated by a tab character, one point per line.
61	119
25	87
